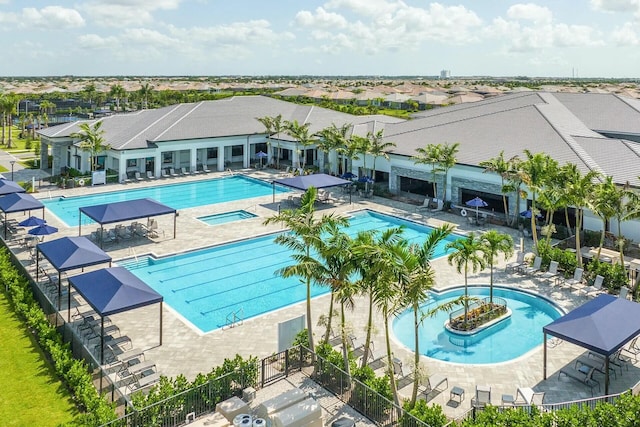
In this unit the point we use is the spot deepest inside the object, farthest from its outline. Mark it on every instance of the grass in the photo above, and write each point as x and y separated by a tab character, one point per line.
31	392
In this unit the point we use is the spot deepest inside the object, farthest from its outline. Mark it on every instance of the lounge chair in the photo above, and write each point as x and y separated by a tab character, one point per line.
433	383
596	289
172	172
576	280
517	264
482	397
138	176
183	171
632	349
527	396
205	168
584	375
142	382
150	175
552	272
164	173
535	268
624	293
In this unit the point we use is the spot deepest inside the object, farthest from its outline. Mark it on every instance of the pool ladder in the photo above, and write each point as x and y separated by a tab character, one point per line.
235	318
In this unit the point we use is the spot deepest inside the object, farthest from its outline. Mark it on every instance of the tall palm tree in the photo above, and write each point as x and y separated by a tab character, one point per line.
333	138
277	125
118	93
361	146
493	243
421	279
466	256
446	161
602	202
89	93
145	91
499	166
8	103
300	134
429	155
513	178
91	140
579	190
267	122
305	236
378	147
536	170
46	107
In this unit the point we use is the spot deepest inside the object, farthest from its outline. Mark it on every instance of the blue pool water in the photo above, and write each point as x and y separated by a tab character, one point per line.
504	341
205	286
225	217
178	196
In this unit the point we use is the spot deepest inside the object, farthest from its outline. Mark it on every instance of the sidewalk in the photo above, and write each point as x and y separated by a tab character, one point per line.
20	173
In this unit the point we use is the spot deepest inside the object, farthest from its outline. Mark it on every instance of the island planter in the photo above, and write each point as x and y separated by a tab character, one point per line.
481	315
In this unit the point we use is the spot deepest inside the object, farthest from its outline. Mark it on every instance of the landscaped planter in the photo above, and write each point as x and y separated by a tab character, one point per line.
480	316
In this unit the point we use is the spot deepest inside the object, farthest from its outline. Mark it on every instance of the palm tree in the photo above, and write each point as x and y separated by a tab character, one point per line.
145	91
360	146
421	279
89	92
579	191
429	155
300	133
91	140
446	161
602	202
305	236
499	166
8	103
267	122
513	184
333	138
492	244
536	170
378	148
467	256
46	108
118	93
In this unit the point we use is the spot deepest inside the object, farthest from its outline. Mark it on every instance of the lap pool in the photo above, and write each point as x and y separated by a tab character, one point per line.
507	340
207	285
178	196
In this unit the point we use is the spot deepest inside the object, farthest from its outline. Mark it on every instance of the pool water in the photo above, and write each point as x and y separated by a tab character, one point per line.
178	196
501	342
208	285
225	217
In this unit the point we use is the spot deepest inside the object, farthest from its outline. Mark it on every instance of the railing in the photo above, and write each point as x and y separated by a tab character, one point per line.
235	318
476	319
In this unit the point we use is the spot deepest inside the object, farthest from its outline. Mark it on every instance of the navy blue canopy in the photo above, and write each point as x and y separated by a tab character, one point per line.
19	202
318	180
114	290
10	187
602	325
125	211
69	253
304	182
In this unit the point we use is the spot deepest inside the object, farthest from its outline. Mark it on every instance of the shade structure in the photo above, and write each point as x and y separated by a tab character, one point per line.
110	213
602	325
19	202
476	202
261	154
70	253
10	187
114	290
43	230
304	182
32	221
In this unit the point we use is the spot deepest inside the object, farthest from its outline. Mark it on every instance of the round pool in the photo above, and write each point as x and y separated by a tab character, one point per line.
506	340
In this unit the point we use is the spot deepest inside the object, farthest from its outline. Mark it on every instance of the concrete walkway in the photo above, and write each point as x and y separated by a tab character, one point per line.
189	352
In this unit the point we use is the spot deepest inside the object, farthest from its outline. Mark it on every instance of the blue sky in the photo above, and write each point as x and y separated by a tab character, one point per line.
555	38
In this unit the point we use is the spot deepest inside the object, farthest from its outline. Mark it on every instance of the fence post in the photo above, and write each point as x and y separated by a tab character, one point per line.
286	363
262	373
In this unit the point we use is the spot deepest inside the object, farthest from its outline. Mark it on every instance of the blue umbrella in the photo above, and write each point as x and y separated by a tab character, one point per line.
476	202
348	175
32	221
527	214
43	230
366	180
261	155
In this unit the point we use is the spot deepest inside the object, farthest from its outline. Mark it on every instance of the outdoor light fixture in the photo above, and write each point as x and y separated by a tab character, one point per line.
13	162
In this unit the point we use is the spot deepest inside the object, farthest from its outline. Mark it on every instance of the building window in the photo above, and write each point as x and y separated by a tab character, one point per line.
236	150
132	163
212	153
167	158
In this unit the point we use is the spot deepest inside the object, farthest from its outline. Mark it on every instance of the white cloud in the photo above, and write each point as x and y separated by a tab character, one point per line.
627	35
94	41
126	13
616	5
530	12
52	18
321	19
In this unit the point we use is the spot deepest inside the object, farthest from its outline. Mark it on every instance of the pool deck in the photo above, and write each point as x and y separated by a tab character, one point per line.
189	352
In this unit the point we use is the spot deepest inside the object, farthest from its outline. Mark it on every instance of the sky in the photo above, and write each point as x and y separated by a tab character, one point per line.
550	38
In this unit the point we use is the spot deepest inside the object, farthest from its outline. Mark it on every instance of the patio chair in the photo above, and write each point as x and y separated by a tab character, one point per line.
433	383
576	280
138	177
172	172
535	267
518	263
527	396
205	168
632	349
552	272
150	175
595	289
584	375
164	173
482	397
183	171
624	293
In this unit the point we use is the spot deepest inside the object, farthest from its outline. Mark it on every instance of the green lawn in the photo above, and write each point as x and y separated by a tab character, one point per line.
30	392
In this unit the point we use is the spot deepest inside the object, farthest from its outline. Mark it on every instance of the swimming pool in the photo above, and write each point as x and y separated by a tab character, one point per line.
178	196
207	285
504	341
225	217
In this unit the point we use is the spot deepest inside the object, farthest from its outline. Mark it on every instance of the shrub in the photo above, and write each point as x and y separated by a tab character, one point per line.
432	415
615	276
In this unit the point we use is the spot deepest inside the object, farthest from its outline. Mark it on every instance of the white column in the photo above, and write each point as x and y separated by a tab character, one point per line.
220	159
157	164
194	160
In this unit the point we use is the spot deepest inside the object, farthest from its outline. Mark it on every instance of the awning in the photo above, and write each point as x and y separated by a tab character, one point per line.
18	202
114	290
304	182
10	187
602	325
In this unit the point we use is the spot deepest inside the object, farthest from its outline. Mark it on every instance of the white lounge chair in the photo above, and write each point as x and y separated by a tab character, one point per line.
164	174
150	175
535	268
624	292
576	280
183	171
482	397
205	168
172	172
595	290
139	177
